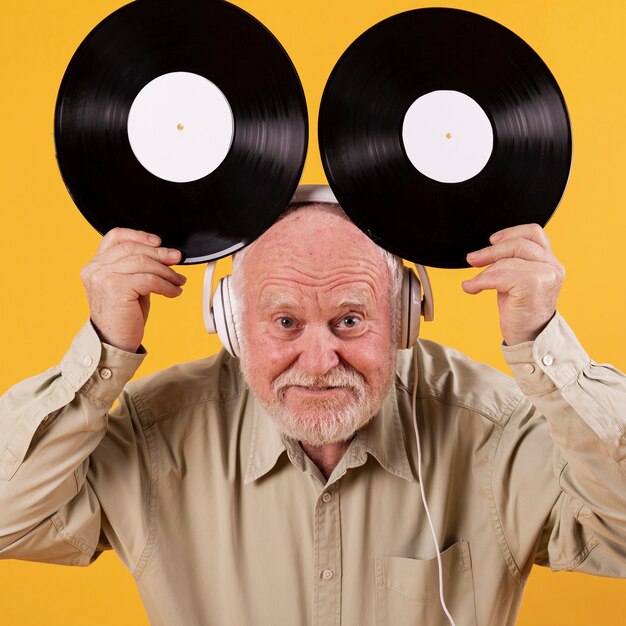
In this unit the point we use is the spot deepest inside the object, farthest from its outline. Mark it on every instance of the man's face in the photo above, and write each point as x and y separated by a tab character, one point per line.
317	341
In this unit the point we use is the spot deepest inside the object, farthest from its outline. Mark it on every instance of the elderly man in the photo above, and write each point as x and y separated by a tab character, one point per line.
284	487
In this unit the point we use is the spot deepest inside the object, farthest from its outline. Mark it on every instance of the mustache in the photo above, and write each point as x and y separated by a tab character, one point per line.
340	376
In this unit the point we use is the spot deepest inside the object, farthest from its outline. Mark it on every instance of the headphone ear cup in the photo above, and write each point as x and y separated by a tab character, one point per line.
223	317
410	309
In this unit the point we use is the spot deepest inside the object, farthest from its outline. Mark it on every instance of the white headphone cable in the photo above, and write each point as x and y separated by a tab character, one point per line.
421	482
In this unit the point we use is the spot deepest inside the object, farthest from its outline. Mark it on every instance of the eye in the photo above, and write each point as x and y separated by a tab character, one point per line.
286	322
350	321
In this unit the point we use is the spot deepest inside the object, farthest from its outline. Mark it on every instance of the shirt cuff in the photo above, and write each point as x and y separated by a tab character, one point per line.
97	369
551	361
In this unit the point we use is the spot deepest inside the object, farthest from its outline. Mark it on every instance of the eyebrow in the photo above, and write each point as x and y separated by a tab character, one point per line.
280	301
353	299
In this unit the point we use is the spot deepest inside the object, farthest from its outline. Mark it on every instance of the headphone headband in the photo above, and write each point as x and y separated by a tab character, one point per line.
314	193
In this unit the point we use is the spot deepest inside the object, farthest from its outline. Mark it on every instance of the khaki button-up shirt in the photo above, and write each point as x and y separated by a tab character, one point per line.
222	520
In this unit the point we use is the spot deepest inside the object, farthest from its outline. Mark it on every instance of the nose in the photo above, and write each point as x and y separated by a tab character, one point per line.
318	351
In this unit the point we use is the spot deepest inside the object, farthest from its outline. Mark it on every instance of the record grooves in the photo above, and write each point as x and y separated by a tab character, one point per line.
371	88
220	212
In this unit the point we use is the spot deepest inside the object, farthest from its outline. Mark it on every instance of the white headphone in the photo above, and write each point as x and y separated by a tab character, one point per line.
416	299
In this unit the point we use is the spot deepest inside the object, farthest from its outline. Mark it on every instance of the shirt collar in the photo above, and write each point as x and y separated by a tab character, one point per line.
382	438
266	444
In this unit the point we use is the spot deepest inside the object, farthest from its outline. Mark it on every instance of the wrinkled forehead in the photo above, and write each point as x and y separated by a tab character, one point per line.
317	237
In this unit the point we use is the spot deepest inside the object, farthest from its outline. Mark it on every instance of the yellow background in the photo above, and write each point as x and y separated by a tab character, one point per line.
45	241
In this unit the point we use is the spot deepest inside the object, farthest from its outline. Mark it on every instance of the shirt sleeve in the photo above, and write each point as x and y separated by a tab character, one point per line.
584	405
49	425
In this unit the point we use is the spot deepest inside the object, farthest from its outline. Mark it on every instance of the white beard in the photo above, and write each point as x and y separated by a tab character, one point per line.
321	421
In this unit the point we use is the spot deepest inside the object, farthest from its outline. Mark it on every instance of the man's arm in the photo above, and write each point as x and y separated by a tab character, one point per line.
50	424
583	403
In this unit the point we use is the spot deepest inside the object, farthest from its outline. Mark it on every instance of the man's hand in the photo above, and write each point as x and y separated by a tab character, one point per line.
527	277
128	267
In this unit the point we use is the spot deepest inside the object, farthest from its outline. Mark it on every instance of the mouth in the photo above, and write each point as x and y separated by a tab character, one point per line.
315	388
315	391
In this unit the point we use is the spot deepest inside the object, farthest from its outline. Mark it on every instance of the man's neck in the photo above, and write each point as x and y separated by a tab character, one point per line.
326	457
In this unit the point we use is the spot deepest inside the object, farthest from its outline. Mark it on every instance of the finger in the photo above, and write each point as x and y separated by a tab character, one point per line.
500	280
118	235
532	232
517	275
505	275
167	256
517	247
143	264
146	284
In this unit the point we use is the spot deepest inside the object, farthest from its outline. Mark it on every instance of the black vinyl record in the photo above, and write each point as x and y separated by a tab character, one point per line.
417	63
221	54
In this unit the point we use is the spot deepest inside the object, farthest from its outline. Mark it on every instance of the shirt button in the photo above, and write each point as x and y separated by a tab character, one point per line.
87	361
327	497
105	373
529	368
328	574
547	360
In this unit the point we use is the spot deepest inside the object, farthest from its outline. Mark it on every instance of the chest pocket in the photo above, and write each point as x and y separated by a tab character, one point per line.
407	590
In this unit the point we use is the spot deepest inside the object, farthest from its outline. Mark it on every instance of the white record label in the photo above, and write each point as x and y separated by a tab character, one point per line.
180	127
447	136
